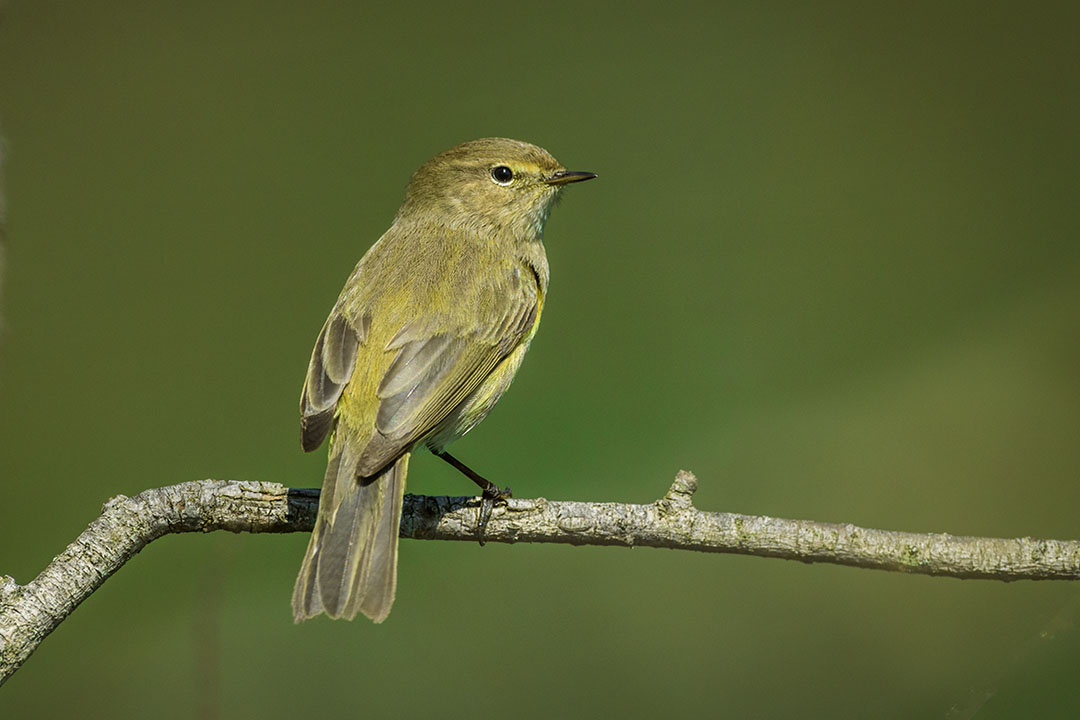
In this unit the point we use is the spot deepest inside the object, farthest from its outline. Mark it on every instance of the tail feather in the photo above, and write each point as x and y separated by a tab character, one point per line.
351	561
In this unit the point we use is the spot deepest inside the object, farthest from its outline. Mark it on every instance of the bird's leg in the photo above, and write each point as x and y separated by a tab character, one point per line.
489	495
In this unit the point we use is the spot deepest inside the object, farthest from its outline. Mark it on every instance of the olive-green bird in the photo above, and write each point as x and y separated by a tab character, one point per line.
428	332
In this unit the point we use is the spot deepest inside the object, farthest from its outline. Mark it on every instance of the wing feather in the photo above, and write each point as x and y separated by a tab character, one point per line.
433	373
331	367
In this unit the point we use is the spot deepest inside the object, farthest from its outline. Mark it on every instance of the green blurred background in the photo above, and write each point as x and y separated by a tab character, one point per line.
832	265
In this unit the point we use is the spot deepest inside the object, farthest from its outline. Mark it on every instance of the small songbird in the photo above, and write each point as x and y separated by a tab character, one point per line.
425	337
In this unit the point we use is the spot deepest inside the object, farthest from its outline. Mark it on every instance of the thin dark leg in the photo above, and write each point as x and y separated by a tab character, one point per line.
490	492
488	487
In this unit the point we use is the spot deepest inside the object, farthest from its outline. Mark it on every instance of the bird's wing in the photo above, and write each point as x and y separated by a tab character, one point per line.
331	366
434	371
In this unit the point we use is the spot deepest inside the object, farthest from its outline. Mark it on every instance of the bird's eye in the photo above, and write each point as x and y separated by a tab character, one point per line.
502	175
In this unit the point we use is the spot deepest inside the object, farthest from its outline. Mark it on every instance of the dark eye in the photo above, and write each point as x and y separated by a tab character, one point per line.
502	174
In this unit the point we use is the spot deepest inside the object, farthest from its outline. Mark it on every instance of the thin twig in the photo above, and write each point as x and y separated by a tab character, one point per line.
28	613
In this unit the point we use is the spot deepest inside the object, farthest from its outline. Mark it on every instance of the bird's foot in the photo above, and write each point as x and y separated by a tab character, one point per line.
491	496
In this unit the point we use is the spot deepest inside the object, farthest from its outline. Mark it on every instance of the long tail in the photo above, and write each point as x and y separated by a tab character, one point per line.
351	561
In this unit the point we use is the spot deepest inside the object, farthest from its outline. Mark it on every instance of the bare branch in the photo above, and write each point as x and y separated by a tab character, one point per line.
30	612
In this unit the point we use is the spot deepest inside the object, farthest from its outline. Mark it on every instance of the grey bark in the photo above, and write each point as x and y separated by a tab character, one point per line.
28	613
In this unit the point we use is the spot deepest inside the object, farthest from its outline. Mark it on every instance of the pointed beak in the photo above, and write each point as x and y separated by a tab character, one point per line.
565	177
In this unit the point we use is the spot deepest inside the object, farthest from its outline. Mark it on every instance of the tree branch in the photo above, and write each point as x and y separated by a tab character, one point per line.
30	612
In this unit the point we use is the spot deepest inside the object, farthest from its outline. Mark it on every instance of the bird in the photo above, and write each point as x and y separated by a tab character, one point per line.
427	334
